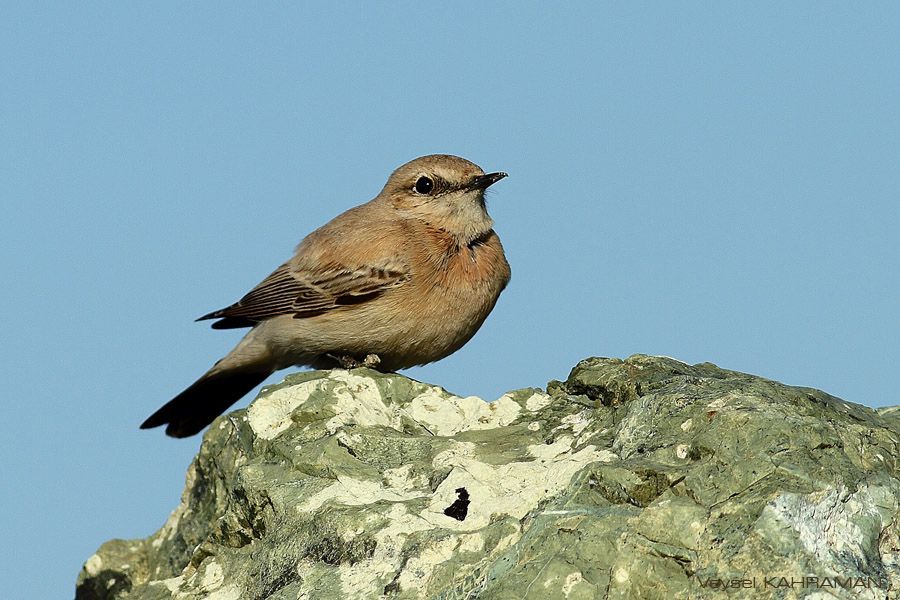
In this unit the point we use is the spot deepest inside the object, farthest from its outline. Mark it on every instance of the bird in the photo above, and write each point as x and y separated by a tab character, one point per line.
404	279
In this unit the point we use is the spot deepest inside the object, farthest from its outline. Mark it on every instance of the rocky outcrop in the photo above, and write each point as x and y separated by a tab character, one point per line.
643	478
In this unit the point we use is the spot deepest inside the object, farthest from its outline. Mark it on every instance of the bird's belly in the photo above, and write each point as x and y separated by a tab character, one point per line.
407	331
441	324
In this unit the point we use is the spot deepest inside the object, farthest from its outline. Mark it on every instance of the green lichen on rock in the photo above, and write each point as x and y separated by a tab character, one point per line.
643	478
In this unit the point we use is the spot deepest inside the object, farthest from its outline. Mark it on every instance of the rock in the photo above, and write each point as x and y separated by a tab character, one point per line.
643	478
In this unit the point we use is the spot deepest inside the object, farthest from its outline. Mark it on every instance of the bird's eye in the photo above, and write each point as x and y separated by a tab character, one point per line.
424	185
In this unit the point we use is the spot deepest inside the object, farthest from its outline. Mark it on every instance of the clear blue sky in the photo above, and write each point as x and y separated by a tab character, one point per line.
713	182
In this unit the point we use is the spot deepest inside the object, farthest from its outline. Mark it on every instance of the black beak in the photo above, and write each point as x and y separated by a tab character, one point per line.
483	181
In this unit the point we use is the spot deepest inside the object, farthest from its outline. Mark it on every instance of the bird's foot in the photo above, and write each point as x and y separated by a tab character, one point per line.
344	360
351	362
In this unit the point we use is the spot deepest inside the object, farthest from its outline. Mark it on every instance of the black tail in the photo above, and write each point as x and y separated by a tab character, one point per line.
196	407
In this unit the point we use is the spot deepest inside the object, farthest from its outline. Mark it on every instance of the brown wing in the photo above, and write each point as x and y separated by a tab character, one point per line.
306	293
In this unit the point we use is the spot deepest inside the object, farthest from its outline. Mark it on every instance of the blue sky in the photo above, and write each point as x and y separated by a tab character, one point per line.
714	182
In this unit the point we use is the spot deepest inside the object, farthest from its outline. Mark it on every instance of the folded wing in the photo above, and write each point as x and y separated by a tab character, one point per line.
306	293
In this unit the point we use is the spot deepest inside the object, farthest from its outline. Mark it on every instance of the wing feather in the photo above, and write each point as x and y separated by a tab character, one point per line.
306	292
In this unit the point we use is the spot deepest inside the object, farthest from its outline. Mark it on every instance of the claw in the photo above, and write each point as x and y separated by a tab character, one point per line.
351	362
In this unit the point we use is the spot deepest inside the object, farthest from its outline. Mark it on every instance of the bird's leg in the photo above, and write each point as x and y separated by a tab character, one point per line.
344	360
351	362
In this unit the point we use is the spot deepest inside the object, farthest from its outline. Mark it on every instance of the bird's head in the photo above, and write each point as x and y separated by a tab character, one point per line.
444	191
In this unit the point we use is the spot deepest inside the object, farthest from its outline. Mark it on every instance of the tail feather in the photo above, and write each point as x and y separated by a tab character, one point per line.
196	407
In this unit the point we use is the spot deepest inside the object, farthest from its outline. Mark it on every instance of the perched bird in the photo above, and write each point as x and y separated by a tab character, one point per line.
402	280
